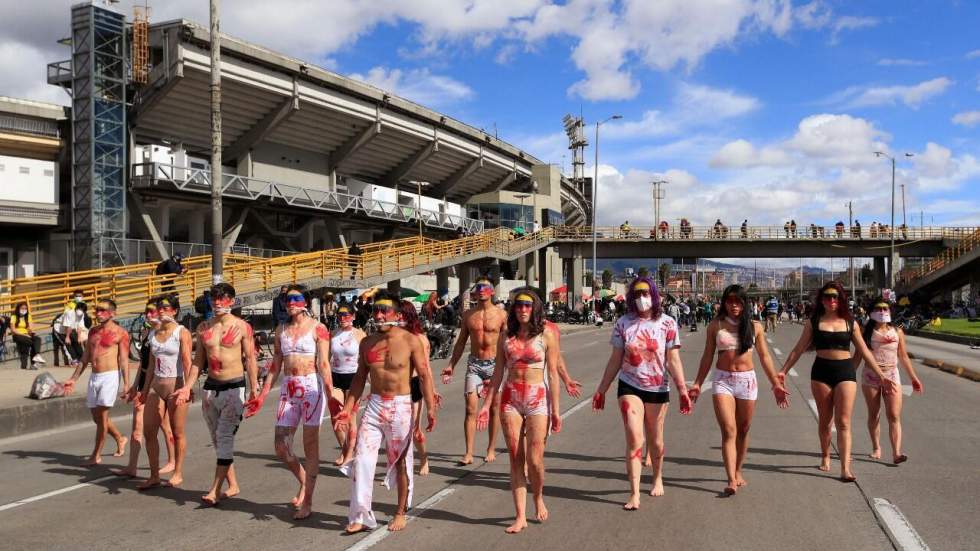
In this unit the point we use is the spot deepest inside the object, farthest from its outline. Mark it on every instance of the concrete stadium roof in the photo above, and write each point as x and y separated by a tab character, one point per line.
365	132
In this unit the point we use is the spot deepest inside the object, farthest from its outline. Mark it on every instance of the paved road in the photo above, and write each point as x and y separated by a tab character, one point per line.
788	503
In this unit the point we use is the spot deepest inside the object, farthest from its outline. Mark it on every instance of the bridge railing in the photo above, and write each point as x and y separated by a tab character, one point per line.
712	233
908	276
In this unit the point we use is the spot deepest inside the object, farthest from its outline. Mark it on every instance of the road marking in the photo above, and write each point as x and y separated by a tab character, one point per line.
907	390
813	408
897	527
25	501
768	339
777	351
382	532
793	372
576	407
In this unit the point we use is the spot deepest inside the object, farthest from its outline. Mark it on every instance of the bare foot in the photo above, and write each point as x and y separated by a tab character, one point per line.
900	458
127	472
658	487
398	523
491	456
175	481
121	447
542	511
168	468
518	525
633	504
648	462
466	460
339	461
424	467
298	500
739	481
232	491
355	527
92	461
209	499
304	512
825	464
846	476
875	453
149	484
730	489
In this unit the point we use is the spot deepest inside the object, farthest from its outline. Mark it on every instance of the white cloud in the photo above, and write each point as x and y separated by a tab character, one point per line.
24	72
939	170
692	106
418	85
967	118
909	95
901	62
850	23
973	54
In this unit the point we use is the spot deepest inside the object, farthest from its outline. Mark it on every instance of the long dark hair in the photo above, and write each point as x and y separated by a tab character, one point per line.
17	315
654	296
843	311
746	331
869	326
536	324
410	317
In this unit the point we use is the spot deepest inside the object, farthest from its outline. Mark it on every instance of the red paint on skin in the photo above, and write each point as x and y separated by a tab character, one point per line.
207	334
638	454
377	355
322	333
214	364
229	337
249	331
624	407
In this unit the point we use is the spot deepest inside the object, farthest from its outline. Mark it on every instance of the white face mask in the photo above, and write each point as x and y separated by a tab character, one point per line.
23	311
881	317
644	304
79	313
165	318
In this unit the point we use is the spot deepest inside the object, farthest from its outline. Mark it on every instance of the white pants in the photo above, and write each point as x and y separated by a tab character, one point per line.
387	419
103	389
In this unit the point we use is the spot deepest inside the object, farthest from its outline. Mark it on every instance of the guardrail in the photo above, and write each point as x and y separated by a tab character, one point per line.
131	286
908	277
712	233
242	187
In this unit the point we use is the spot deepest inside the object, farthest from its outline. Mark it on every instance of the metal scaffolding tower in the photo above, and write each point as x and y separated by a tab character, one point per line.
98	135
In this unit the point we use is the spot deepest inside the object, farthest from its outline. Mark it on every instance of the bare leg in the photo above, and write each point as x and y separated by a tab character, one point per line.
99	416
653	418
872	397
631	408
135	443
232	479
744	410
177	419
492	430
284	450
151	423
221	472
400	519
824	397
893	409
469	426
168	440
512	424
311	449
844	396
115	434
341	436
536	429
419	438
725	413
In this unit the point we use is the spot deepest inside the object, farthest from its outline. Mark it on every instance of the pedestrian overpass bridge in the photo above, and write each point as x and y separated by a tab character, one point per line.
258	279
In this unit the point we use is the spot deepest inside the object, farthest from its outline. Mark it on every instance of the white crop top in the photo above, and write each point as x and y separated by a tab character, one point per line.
166	355
304	345
343	352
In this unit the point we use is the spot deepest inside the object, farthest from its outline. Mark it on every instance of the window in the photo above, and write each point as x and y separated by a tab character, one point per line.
25	170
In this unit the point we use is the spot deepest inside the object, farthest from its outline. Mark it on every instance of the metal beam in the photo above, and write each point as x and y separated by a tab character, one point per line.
459	176
263	128
342	153
151	228
409	164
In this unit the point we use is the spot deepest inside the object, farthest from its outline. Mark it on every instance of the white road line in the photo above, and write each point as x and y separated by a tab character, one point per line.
793	372
898	528
576	407
382	532
27	500
768	339
777	351
907	390
813	408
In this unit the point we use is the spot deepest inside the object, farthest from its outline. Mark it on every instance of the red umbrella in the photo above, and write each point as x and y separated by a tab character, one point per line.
560	290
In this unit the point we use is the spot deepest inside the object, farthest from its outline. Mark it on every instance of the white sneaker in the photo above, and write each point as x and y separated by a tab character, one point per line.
38	359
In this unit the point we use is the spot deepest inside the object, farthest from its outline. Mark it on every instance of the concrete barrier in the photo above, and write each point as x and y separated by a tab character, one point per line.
50	414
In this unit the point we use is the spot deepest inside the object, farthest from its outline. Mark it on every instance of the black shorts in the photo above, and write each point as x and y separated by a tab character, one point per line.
646	396
833	372
416	387
342	380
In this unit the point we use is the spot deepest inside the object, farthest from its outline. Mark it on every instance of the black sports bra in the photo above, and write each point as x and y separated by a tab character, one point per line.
832	340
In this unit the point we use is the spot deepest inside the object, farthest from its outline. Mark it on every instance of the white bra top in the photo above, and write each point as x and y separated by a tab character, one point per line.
304	345
344	350
166	354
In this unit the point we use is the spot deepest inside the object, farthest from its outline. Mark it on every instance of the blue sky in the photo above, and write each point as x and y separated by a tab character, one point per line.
758	109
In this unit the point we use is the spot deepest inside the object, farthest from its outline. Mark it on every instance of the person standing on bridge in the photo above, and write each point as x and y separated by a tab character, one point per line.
646	355
484	323
887	343
833	378
226	350
107	349
733	335
386	358
528	403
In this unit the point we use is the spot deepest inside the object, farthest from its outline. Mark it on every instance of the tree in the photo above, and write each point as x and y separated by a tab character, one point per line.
643	272
607	279
664	273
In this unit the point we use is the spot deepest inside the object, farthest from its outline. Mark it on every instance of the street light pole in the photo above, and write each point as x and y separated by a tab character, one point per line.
658	194
850	222
217	247
595	202
891	249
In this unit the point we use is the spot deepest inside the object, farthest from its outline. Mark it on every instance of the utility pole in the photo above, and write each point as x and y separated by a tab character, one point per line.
850	222
658	194
217	247
903	207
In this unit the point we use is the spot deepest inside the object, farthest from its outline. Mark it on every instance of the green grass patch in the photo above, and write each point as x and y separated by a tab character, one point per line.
958	326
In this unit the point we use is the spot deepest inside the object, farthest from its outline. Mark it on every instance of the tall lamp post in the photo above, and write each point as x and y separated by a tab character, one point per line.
217	247
891	249
595	189
658	194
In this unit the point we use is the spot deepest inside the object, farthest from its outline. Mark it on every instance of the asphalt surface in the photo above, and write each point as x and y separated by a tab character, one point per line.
52	501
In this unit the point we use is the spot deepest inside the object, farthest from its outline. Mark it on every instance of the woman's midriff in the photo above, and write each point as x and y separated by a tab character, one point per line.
298	365
729	360
834	354
527	376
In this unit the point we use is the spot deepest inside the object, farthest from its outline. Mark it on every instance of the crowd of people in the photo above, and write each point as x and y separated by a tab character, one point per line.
513	376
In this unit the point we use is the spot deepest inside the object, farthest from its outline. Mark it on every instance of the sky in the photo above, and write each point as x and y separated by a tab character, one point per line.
765	110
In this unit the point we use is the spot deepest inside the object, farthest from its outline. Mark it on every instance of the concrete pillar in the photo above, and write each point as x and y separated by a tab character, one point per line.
395	286
530	271
161	217
575	275
442	281
465	274
542	265
195	225
306	237
880	276
894	265
335	236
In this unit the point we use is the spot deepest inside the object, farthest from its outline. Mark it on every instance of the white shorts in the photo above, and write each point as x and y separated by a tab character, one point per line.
301	398
103	389
740	384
